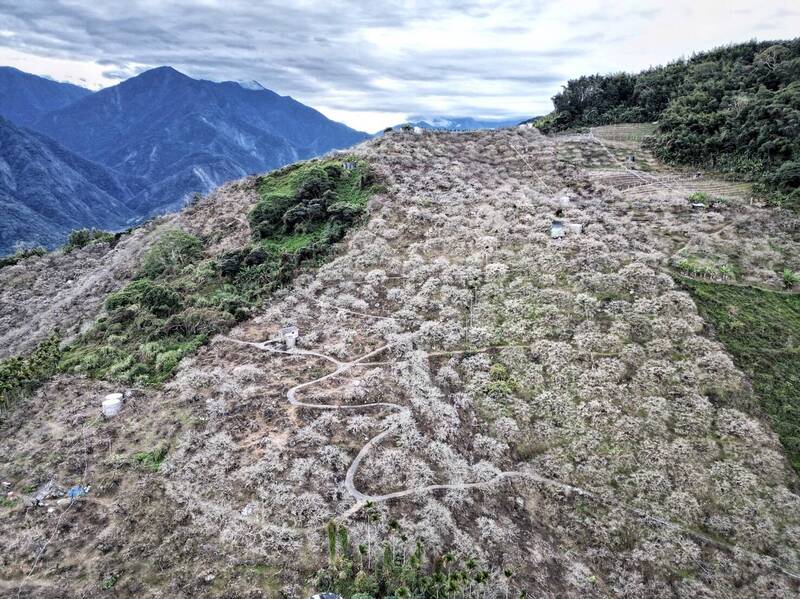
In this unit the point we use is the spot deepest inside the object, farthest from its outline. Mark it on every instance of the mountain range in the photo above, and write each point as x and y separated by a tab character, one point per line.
46	191
462	123
162	136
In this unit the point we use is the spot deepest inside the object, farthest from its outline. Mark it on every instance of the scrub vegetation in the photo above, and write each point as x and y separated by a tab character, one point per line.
184	293
23	374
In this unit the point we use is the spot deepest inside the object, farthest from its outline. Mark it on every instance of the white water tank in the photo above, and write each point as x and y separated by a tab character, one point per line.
112	404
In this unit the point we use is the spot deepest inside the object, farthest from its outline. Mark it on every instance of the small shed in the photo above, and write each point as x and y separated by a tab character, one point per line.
289	335
349	165
557	229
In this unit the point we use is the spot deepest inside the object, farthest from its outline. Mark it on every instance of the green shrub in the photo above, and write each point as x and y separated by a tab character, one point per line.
82	237
174	250
23	374
20	255
150	460
158	298
400	573
790	278
698	197
198	321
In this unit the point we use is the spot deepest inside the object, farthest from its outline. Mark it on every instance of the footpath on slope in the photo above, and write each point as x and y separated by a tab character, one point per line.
362	499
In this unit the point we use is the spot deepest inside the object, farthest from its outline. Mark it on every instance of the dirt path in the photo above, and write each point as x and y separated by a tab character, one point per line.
362	499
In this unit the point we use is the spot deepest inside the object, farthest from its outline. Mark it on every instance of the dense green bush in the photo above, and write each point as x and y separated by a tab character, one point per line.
82	237
173	251
22	374
735	109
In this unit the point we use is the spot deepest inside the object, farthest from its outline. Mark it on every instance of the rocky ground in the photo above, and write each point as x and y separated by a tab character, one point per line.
594	439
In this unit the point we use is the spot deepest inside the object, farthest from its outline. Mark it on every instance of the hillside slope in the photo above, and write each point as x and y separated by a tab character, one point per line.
46	191
553	415
25	98
182	135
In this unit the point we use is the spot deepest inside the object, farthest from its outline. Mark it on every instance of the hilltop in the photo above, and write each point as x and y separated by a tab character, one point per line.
565	416
734	109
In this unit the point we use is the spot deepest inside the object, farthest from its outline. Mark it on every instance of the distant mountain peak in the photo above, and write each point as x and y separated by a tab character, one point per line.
164	73
462	122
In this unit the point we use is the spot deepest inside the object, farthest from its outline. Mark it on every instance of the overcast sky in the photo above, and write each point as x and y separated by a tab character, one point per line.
375	63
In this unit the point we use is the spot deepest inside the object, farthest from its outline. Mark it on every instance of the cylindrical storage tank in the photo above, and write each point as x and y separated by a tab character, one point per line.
112	404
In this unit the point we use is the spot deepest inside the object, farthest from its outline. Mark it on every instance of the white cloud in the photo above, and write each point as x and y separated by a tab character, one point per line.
374	64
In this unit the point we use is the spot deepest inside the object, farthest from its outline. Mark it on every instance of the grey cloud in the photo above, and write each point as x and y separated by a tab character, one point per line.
317	52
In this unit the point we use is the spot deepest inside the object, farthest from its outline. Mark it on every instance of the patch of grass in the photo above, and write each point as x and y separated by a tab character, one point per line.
761	330
7	502
149	461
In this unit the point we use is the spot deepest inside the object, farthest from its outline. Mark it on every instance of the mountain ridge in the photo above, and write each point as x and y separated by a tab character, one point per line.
185	135
24	98
46	190
162	135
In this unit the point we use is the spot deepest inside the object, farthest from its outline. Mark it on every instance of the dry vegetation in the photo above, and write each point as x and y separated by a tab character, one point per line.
643	466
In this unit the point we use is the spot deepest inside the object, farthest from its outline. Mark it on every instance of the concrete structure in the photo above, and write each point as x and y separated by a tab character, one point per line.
289	335
557	229
112	404
349	165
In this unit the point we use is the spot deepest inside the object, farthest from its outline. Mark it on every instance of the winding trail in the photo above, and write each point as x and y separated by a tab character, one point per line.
362	499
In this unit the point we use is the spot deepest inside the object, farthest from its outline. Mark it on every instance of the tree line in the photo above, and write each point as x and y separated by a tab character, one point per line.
734	109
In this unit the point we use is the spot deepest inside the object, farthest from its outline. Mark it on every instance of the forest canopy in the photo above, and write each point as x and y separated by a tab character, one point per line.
735	109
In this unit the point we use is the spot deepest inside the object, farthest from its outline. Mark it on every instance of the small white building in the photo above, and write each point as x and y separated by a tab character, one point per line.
557	229
349	165
289	334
